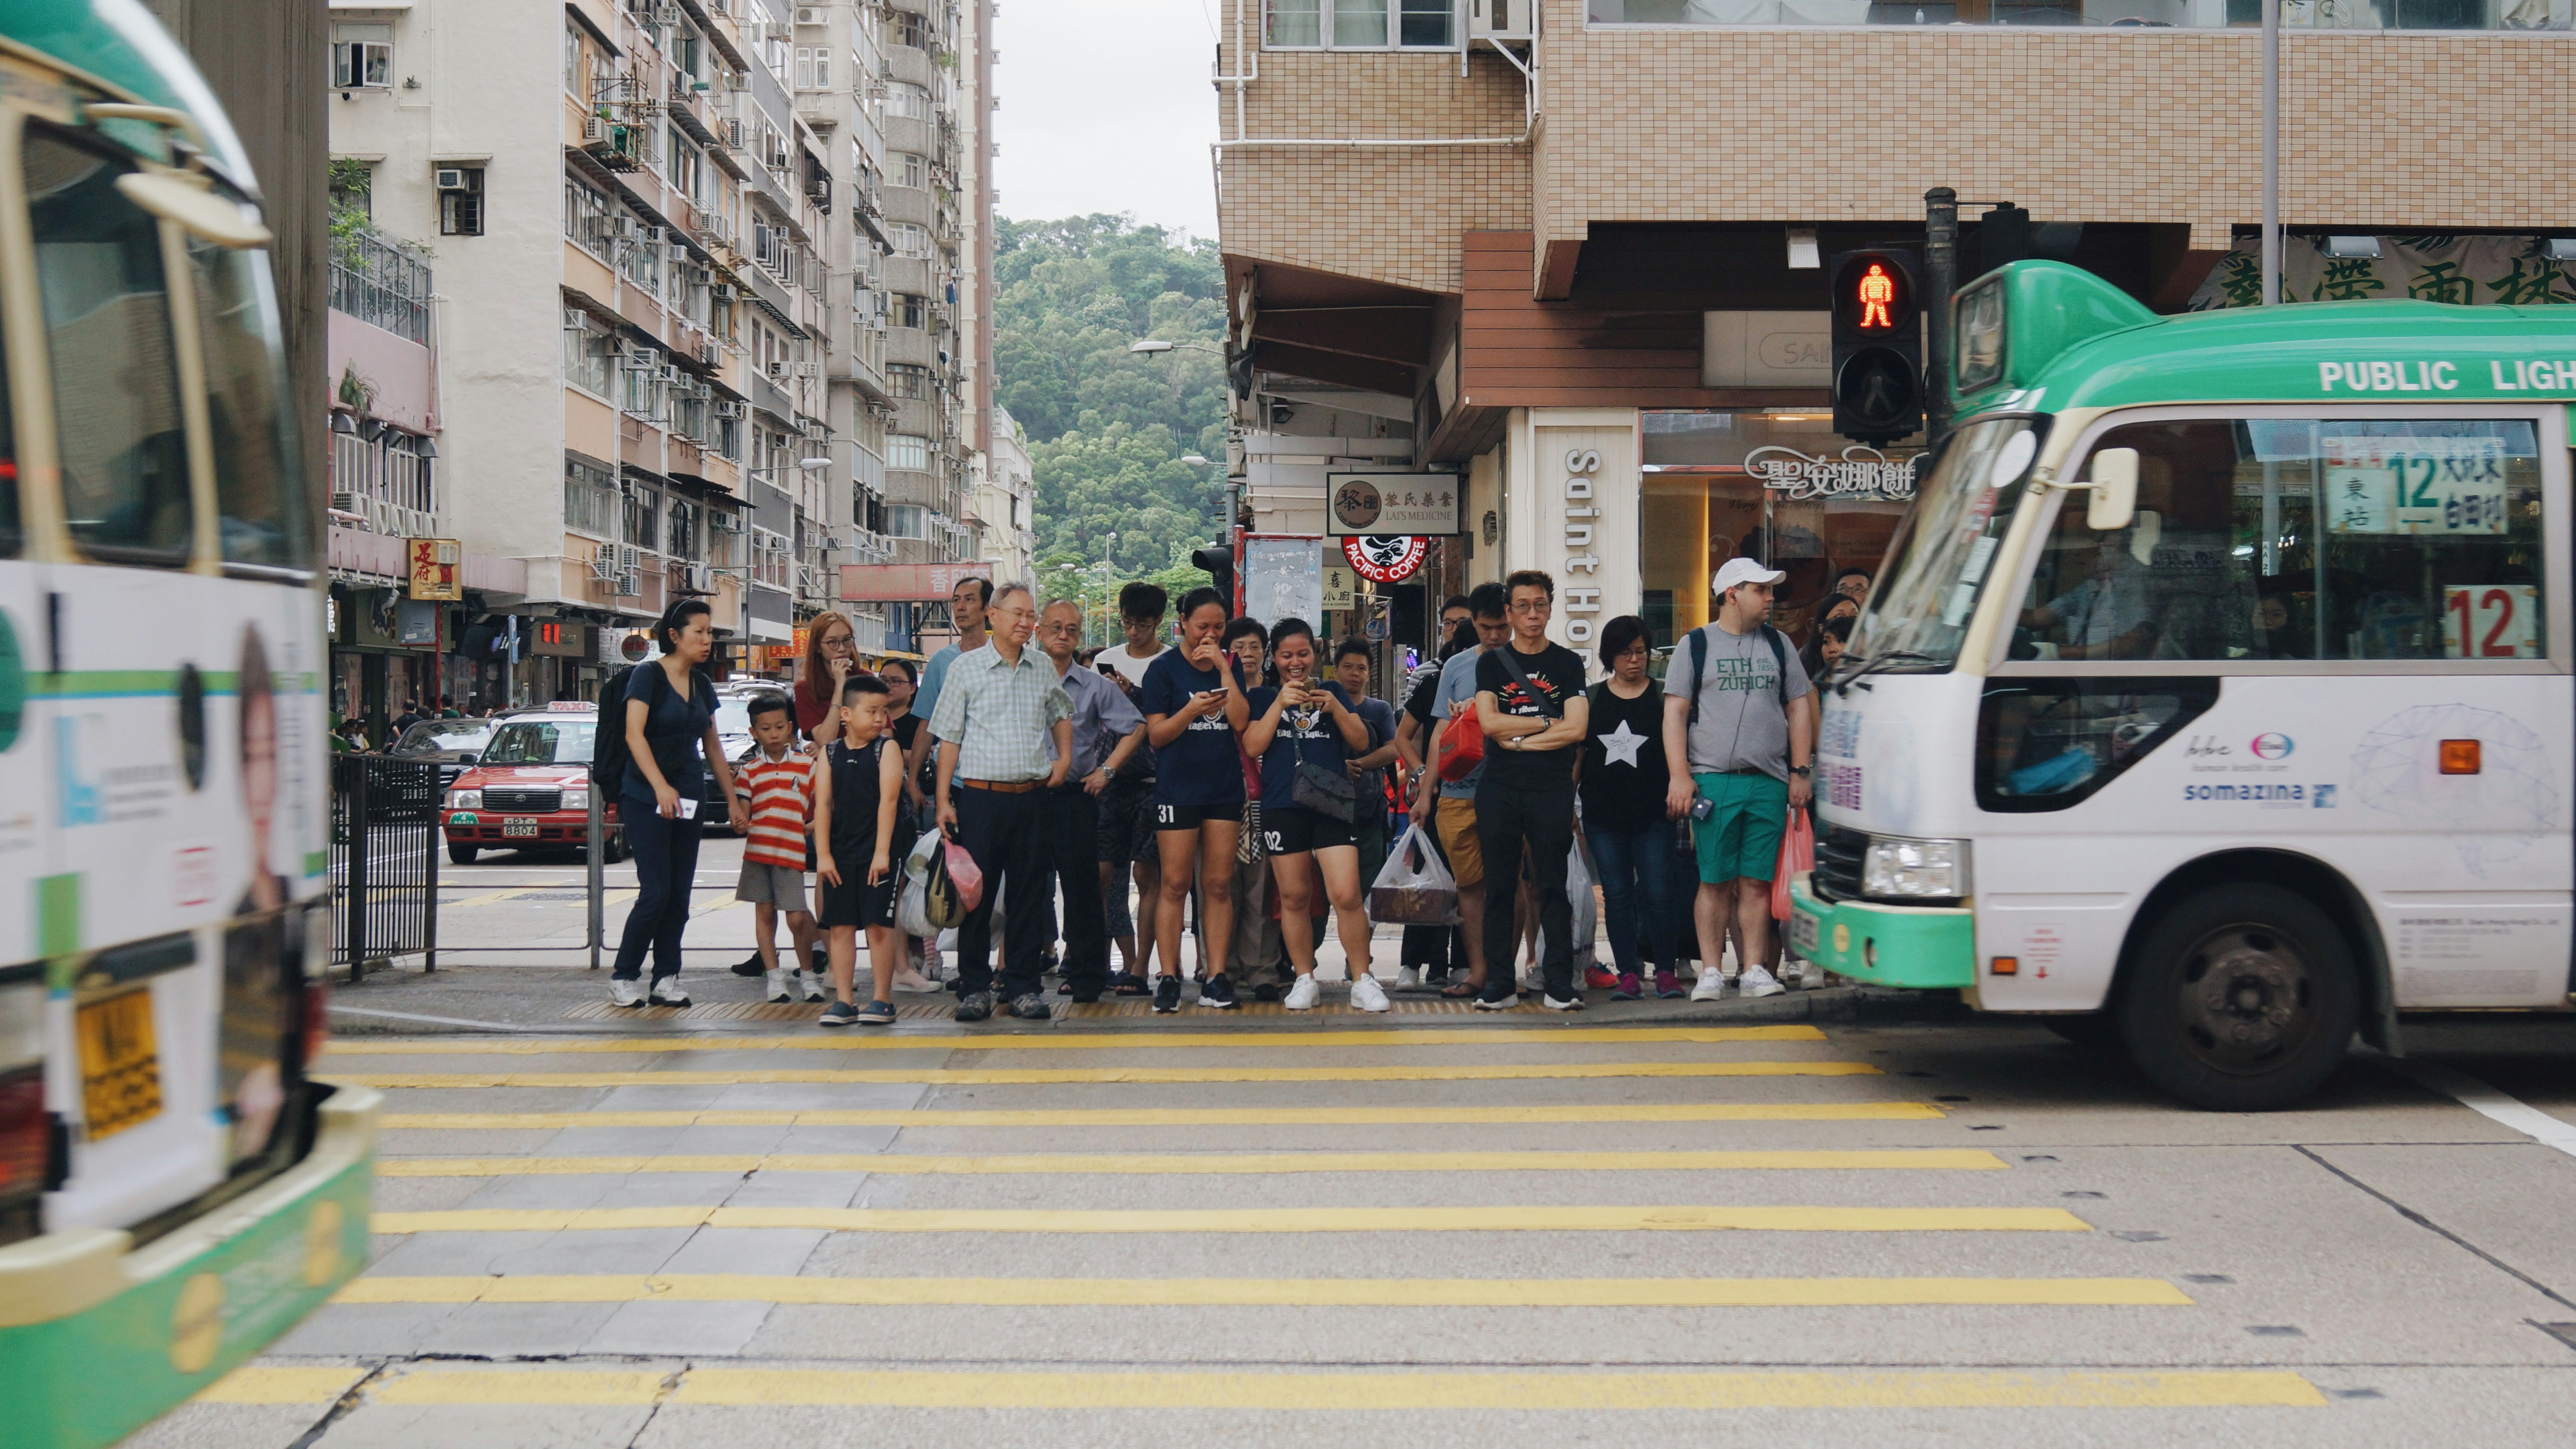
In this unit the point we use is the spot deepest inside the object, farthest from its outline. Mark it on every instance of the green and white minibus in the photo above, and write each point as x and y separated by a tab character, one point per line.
2216	699
174	1192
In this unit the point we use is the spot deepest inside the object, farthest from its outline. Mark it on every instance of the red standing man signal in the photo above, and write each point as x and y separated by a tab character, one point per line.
1877	291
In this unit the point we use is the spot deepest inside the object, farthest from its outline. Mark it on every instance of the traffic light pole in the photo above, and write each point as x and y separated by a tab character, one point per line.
1941	278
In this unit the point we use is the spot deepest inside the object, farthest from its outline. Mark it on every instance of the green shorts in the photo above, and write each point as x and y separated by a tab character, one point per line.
1741	837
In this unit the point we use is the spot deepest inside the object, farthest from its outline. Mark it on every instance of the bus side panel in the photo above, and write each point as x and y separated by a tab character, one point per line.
2467	874
26	822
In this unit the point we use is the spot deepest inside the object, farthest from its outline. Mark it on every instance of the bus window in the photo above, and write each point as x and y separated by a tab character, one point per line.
259	490
116	387
2430	537
2044	744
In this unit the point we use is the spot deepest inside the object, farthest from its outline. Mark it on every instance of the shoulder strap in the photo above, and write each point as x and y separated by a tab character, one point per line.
1514	665
1779	661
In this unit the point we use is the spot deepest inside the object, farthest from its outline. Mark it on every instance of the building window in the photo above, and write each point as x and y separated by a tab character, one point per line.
906	450
460	200
685	168
588	353
681	531
590	499
362	57
1366	24
910	170
907	101
909	30
590	221
728	439
813	67
908	520
904	379
911	312
910	240
639	516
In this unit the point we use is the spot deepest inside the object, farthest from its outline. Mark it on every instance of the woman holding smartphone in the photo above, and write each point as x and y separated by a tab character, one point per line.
1194	709
1304	722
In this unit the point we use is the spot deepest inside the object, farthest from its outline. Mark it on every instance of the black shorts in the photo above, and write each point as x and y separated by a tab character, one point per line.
1127	822
1191	817
1297	830
854	902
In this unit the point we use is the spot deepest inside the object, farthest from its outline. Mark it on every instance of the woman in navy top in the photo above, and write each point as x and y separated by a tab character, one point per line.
1194	710
669	715
1305	721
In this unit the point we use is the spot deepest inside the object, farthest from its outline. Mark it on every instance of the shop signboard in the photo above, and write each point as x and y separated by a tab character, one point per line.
1391	503
1283	578
907	583
1861	474
1340	587
437	568
1384	558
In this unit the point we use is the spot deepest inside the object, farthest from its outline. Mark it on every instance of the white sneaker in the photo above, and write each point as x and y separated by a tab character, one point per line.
667	992
1301	997
1407	978
914	982
1554	1004
1709	987
818	986
1758	982
622	992
778	987
1367	995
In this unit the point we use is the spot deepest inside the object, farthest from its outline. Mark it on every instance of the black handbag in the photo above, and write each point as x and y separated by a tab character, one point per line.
1321	789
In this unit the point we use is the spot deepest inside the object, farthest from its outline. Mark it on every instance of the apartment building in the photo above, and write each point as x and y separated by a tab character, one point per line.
1570	249
629	224
1001	505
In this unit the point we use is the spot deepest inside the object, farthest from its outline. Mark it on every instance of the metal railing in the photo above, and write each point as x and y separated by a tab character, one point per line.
381	282
384	862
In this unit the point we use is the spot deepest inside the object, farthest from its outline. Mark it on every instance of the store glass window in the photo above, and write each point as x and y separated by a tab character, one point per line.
1778	486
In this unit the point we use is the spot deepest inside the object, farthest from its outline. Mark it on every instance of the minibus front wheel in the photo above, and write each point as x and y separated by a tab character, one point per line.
2242	998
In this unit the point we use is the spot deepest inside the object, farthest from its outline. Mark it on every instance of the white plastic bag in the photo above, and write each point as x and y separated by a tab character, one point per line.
912	903
1415	888
1587	913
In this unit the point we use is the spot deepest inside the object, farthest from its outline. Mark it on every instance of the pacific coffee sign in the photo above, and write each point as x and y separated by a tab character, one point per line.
1391	504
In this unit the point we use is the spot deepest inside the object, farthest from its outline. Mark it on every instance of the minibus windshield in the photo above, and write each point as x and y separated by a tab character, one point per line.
1944	548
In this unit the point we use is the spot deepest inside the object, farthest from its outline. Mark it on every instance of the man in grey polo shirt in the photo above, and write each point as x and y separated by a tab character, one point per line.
1106	731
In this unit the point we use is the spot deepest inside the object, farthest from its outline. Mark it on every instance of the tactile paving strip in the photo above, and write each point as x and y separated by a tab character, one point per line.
938	1008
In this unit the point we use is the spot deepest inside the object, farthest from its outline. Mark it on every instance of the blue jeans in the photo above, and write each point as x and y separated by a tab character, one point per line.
666	862
1638	871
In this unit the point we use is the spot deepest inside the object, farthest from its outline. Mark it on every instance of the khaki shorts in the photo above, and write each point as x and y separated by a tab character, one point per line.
1454	821
774	885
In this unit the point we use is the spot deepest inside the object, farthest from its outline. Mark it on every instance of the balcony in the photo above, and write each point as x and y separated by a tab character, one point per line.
383	283
381	515
615	144
2345	16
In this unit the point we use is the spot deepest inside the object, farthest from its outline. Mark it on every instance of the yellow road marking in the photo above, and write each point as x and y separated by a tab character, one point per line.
489	897
1181	1116
1273	1292
264	1384
1912	1159
1245	1220
1330	1392
1080	1041
994	1076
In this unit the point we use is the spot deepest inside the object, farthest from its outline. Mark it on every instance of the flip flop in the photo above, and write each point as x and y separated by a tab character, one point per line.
1461	991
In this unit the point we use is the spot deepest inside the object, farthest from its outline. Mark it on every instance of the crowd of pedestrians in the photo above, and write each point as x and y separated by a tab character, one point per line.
1216	805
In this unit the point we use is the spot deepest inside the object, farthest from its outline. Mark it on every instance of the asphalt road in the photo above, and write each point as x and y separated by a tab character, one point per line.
1727	1225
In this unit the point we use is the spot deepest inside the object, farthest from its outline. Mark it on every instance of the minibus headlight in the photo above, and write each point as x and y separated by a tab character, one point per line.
1896	869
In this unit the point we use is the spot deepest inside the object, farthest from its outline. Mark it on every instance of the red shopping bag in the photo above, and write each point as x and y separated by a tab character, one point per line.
1797	854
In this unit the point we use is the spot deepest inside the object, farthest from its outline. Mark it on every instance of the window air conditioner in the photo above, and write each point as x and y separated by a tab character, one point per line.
666	14
627	560
630	585
778	369
603	565
809	14
576	320
640	359
629	228
678	252
721	291
451	178
670	372
1502	19
809	369
594	130
728	408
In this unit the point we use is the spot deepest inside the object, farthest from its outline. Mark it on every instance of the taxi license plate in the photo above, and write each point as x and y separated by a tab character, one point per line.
120	1062
519	826
1803	931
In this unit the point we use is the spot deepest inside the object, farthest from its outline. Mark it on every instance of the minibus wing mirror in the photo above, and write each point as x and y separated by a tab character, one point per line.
2115	490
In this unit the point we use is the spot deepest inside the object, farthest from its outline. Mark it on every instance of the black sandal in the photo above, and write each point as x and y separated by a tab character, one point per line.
1128	983
1460	991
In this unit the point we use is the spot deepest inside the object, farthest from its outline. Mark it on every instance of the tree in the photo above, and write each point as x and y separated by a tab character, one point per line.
1107	427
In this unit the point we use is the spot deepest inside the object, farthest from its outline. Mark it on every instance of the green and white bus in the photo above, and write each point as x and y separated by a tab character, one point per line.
174	1191
2216	700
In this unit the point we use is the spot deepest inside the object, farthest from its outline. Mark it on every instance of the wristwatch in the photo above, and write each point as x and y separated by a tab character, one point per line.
1801	771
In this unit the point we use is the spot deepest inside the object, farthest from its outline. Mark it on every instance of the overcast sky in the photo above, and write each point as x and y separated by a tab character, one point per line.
1106	106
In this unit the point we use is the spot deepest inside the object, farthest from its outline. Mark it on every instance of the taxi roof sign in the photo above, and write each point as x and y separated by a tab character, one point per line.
572	706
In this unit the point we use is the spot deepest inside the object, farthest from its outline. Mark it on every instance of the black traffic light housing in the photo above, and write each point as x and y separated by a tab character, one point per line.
1219	563
1878	345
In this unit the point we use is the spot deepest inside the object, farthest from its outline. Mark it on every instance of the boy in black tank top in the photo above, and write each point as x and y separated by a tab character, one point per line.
855	800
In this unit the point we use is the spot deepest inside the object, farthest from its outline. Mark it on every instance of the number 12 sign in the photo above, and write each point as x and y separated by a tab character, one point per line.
2491	621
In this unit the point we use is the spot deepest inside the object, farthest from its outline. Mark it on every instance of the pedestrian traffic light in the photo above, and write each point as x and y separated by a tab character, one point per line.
1878	346
2004	237
1219	563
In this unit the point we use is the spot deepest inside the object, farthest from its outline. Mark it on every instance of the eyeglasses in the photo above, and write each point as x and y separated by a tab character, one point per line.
1533	606
839	641
1060	628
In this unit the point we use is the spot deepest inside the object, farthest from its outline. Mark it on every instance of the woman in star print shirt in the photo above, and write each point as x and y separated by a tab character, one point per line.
1622	779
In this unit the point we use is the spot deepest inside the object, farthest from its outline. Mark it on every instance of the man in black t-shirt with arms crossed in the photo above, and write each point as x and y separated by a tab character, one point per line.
1529	698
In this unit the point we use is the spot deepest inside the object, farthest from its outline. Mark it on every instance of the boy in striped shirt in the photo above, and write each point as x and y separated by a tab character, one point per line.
778	785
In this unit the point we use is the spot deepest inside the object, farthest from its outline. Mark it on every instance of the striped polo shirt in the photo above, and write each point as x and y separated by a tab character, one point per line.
781	798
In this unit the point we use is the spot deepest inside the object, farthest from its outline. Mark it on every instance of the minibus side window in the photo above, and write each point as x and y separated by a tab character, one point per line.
259	489
117	419
2262	539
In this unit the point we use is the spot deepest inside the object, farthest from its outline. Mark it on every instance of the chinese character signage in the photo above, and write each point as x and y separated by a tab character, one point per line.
437	568
1391	503
2505	271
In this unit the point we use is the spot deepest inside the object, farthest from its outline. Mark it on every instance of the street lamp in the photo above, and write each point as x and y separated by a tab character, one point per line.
1109	570
1153	346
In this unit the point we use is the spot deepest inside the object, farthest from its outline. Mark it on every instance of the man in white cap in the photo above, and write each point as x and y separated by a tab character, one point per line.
1739	719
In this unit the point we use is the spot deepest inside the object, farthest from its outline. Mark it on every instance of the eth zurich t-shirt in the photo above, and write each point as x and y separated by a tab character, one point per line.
1203	768
1742	720
1309	729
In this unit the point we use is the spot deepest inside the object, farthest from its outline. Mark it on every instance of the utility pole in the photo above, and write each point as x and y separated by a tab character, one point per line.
1941	276
2271	152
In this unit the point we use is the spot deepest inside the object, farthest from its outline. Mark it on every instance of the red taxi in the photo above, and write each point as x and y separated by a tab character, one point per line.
531	788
